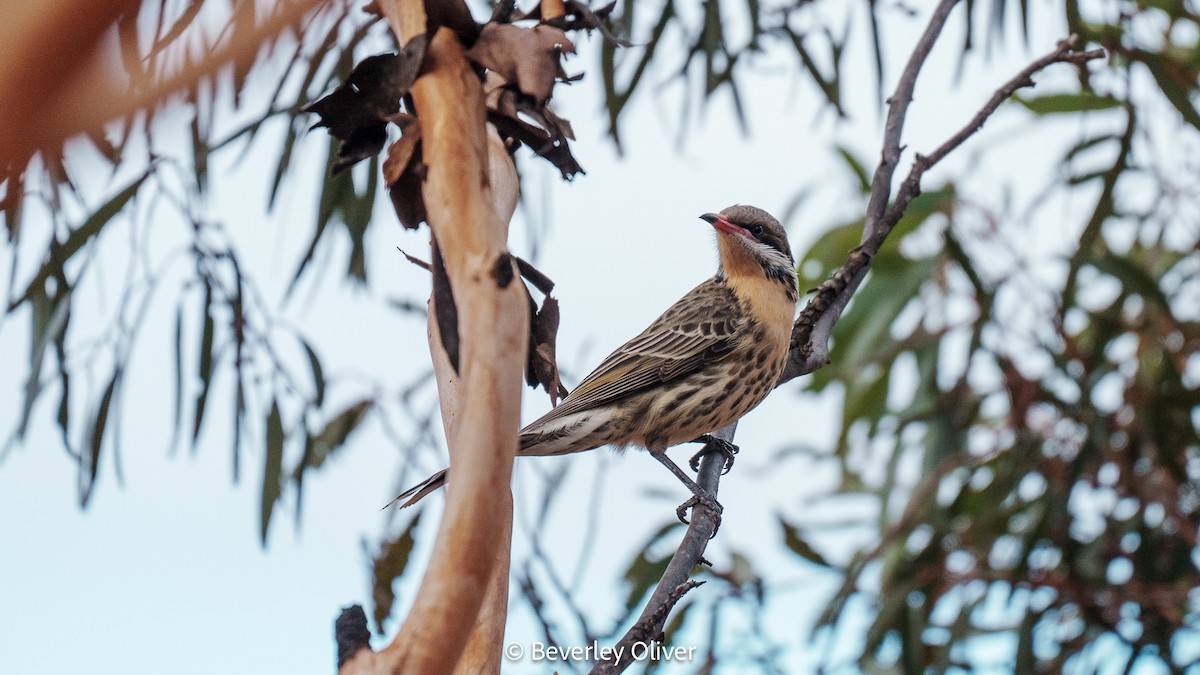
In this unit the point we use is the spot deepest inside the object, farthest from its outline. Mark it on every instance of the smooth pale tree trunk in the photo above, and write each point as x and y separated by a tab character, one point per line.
458	617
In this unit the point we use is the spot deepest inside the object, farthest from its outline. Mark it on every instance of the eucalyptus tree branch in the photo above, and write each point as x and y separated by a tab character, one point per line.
911	187
675	581
814	326
812	329
457	620
881	182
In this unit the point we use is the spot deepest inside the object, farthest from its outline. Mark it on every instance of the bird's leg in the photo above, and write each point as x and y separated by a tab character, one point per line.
712	504
713	444
699	494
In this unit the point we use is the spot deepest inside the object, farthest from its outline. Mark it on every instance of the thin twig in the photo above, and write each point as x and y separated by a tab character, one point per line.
415	260
812	329
701	528
911	187
881	183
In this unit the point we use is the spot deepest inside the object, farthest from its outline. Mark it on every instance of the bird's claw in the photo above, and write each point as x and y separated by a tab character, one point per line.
705	500
714	444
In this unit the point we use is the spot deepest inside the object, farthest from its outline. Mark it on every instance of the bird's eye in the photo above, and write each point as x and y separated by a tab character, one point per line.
757	230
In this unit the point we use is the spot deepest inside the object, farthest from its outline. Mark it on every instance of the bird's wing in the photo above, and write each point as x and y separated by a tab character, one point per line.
699	328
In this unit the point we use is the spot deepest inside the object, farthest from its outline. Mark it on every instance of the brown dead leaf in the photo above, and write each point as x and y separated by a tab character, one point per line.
526	57
357	112
505	11
551	120
553	148
542	366
455	15
534	276
407	200
400	154
388	565
549	140
403	172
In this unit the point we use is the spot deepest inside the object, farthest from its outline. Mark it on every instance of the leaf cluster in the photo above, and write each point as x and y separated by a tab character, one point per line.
1058	496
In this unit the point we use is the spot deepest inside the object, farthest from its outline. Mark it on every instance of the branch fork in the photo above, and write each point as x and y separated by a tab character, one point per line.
813	327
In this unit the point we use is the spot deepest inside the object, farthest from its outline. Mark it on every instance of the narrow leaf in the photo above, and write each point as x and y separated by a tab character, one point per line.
318	375
48	321
178	373
92	461
644	571
81	236
860	171
239	419
1088	144
205	368
333	436
334	192
1050	104
1175	81
64	403
388	566
273	467
794	540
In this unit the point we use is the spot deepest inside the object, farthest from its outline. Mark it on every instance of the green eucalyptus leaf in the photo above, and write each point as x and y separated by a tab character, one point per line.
206	364
273	467
318	374
388	566
1053	104
91	464
80	236
794	540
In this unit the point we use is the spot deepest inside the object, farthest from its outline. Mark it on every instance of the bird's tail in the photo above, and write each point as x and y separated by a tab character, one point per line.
573	436
417	492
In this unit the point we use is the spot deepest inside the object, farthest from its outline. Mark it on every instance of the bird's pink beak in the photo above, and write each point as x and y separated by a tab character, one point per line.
722	223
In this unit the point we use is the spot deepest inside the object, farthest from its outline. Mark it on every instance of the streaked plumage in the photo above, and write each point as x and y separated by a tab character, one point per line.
710	358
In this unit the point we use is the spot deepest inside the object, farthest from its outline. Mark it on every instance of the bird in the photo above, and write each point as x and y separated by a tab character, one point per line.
704	363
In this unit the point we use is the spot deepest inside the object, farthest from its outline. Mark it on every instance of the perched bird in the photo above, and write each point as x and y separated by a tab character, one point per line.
708	360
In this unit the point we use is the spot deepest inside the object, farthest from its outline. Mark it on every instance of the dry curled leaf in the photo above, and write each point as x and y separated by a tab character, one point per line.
534	276
400	154
512	114
542	365
455	15
357	112
505	11
530	58
403	172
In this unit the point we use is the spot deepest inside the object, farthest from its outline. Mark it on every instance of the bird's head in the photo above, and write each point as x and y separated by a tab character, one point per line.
752	243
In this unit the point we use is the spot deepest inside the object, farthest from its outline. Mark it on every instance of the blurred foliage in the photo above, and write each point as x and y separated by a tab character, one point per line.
1058	489
222	323
1054	417
1036	428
